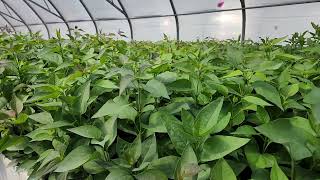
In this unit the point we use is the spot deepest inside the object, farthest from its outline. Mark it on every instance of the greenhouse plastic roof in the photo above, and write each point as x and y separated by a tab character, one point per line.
151	19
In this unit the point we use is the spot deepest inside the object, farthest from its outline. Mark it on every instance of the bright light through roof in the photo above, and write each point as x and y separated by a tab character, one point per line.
165	22
226	18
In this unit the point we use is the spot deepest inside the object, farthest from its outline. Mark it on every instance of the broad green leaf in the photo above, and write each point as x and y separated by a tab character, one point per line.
3	102
104	83
187	168
315	109
187	121
277	173
40	135
291	90
7	142
222	171
256	101
165	164
151	174
313	97
257	160
81	103
43	117
222	123
245	130
118	107
294	133
233	74
262	115
129	151
149	150
109	130
16	104
124	83
75	159
87	131
117	173
178	136
180	85
218	87
207	118
269	92
157	89
22	118
217	147
56	124
167	77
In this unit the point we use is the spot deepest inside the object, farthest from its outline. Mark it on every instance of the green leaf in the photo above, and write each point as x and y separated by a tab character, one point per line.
217	147
187	121
129	151
7	142
165	164
180	85
110	132
151	174
313	97
245	130
75	159
207	118
233	74
294	133
87	131
43	117
222	171
117	173
256	101
124	83
291	90
257	160
222	123
156	89
187	168
81	103
178	136
262	115
3	102
277	173
269	92
56	124
22	118
118	107
16	104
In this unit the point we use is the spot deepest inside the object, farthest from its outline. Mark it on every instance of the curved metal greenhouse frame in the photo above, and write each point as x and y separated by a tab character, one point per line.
8	17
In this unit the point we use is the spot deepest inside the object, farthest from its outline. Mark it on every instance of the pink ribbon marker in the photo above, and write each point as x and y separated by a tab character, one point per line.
220	3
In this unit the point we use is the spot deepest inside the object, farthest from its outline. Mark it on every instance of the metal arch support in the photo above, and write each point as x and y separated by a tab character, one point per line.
176	18
244	20
127	17
13	28
62	18
8	15
36	13
22	20
90	15
47	10
115	6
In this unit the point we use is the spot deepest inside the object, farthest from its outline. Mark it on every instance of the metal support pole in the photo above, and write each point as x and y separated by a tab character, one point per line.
8	15
176	18
13	10
127	17
36	13
61	16
90	15
244	20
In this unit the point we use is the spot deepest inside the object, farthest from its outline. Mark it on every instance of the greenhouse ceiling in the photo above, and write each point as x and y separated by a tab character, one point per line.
151	19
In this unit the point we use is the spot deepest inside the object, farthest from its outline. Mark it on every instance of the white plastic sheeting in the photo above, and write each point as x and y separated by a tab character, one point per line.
150	19
9	172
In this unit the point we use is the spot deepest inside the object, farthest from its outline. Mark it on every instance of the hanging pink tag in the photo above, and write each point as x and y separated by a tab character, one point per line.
220	3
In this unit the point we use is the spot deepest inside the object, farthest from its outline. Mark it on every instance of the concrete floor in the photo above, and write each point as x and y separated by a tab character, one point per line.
8	172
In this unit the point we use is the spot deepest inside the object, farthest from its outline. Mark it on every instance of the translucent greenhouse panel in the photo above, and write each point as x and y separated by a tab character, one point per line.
154	29
185	6
103	9
281	21
221	25
147	7
14	20
24	11
87	27
22	29
41	29
53	28
3	22
268	2
72	10
45	15
114	27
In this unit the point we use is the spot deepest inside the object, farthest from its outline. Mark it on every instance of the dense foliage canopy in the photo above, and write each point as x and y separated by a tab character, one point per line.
91	107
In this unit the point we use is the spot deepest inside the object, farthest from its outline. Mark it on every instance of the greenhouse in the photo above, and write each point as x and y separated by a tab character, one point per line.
159	89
